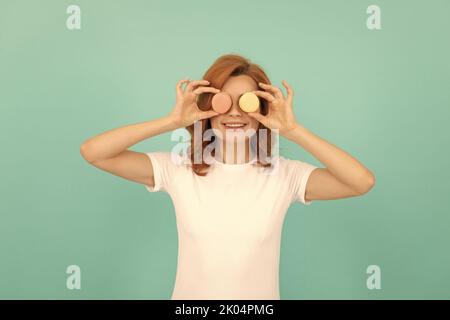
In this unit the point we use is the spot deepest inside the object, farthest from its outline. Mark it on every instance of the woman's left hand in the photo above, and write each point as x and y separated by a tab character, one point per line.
280	114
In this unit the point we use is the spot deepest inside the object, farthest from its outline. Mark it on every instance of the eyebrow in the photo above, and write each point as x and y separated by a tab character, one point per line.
240	95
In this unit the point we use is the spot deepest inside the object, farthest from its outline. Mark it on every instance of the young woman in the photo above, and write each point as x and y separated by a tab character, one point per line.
230	206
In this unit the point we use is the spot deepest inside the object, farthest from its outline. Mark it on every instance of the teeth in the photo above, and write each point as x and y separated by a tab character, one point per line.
234	125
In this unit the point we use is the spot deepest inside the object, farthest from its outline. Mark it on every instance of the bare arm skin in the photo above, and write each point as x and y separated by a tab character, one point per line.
108	151
343	176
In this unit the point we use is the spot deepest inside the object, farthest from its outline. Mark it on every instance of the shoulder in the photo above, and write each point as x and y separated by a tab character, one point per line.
286	163
168	160
166	156
288	167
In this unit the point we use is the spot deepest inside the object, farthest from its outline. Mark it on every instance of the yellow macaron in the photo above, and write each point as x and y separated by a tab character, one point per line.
249	102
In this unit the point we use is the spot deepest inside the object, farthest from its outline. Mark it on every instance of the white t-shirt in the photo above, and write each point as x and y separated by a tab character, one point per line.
229	224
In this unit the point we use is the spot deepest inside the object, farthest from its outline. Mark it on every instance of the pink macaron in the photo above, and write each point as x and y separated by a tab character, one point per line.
221	102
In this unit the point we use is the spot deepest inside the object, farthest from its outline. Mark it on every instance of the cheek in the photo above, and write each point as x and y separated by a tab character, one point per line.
253	123
214	122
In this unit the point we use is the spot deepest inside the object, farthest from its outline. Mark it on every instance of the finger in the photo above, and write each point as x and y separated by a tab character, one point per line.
180	84
206	89
207	114
290	92
259	117
265	95
273	89
195	83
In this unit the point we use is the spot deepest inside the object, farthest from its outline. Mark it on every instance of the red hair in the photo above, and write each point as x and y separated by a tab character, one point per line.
224	67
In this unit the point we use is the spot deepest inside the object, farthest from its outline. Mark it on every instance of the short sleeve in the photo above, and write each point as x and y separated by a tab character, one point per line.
299	173
163	164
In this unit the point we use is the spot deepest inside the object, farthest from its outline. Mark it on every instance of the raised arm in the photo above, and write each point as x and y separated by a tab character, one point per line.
109	152
343	177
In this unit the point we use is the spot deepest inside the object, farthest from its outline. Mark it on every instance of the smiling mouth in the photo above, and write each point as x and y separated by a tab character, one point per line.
234	125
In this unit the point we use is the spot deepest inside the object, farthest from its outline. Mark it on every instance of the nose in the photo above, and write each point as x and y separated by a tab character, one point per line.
235	110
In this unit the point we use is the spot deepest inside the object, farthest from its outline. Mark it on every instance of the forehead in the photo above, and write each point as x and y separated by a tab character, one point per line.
239	84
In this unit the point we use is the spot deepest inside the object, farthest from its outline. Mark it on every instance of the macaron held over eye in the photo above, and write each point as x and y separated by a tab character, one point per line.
248	102
221	102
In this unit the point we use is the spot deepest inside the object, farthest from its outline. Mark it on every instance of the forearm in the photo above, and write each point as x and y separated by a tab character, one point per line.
342	165
110	143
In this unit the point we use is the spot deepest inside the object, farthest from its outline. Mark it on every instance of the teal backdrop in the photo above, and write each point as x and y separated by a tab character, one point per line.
381	95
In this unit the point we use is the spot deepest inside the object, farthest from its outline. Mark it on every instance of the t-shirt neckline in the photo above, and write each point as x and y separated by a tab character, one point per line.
233	166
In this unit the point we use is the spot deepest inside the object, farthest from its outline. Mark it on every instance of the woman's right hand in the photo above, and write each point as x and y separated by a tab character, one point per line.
186	110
